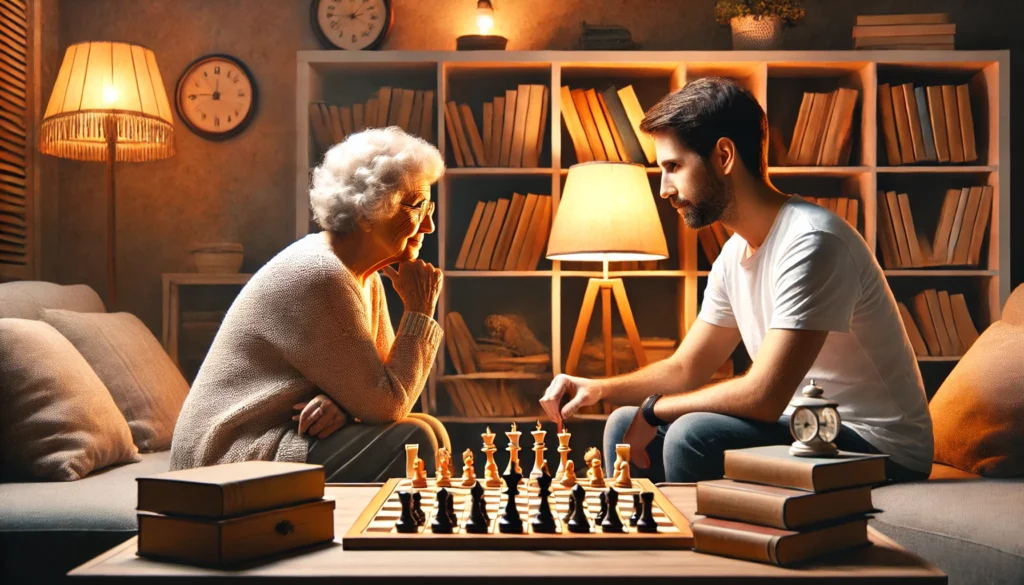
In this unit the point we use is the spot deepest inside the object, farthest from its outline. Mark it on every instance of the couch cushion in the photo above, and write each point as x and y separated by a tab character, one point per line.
971	529
146	385
58	422
27	299
103	501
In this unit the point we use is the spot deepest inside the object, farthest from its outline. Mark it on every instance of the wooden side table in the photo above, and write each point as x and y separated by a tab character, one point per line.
172	283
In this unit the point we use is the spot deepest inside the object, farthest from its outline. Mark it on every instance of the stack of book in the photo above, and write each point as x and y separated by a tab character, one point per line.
940	325
605	125
411	110
845	207
507	234
958	235
775	508
513	129
823	129
225	514
926	124
904	31
712	238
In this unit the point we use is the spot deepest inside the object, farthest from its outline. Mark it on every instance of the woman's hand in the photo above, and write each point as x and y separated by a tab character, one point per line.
319	417
418	283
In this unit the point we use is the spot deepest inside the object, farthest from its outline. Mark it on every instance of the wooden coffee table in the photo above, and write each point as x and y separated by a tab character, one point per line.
885	562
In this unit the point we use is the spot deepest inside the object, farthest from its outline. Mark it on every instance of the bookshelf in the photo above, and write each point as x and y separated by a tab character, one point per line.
666	301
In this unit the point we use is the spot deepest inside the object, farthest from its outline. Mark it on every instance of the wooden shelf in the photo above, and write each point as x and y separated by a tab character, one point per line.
451	273
818	171
498	376
922	272
650	171
939	169
495	171
938	358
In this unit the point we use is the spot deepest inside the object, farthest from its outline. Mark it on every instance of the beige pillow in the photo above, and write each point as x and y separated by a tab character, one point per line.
145	383
57	422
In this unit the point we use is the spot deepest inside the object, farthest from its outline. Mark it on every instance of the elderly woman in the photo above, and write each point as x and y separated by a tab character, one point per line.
306	366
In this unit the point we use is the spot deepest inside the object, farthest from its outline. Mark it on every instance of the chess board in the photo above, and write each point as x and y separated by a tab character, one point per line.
375	527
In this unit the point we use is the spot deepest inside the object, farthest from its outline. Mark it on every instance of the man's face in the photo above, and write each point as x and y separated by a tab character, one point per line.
690	183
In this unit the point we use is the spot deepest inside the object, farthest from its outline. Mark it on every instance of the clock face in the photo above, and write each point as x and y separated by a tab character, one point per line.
216	97
352	24
828	424
803	424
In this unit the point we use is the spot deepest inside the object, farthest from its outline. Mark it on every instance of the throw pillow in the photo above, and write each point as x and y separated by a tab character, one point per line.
27	299
145	383
978	412
57	422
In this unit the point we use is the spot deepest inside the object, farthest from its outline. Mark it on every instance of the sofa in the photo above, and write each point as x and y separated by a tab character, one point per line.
971	527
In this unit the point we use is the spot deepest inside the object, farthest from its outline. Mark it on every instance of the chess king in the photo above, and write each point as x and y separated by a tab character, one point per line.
795	283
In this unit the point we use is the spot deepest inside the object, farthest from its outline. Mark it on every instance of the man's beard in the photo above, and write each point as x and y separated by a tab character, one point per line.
711	198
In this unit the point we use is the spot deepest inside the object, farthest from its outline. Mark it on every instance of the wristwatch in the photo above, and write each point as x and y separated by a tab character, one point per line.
647	410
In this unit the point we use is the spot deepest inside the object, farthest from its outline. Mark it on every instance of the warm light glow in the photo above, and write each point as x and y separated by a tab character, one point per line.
484	17
109	95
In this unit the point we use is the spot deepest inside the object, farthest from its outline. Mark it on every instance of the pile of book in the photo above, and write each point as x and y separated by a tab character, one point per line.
926	124
712	238
225	514
775	508
411	110
944	321
605	126
507	234
823	129
958	235
904	31
845	207
513	129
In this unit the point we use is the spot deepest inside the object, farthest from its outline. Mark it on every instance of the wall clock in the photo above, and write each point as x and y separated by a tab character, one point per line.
351	24
216	97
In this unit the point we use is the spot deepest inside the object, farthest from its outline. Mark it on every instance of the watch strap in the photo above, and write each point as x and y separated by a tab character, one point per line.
647	411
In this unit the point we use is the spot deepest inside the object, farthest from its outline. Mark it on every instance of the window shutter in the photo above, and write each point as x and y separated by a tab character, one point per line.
16	140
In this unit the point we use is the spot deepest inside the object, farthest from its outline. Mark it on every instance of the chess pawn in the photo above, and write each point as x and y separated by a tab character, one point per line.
579	524
407	522
468	473
596	474
419	478
612	522
569	478
646	523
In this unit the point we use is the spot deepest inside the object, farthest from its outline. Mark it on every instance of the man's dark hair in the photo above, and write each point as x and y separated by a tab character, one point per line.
711	108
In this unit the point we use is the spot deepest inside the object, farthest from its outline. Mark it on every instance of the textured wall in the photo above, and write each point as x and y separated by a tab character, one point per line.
242	189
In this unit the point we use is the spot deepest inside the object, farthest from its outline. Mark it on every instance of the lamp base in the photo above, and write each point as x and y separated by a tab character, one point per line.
607	287
481	43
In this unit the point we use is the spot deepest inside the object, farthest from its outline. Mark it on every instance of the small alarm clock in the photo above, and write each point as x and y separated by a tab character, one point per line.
814	424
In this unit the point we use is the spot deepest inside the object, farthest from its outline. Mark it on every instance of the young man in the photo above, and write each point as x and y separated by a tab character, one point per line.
795	283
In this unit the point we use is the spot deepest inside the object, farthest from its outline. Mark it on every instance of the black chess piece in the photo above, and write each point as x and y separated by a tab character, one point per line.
637	508
451	510
612	522
646	522
544	521
510	522
572	508
478	522
604	509
407	522
579	523
418	515
442	523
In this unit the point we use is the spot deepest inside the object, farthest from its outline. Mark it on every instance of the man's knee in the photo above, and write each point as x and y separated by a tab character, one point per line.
693	430
618	423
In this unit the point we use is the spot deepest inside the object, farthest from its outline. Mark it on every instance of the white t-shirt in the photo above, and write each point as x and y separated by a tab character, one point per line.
815	272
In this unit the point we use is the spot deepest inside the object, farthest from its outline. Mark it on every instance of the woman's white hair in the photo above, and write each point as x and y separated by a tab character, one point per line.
363	177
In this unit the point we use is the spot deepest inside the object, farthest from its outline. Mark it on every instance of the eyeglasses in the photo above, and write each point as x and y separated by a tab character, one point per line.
422	209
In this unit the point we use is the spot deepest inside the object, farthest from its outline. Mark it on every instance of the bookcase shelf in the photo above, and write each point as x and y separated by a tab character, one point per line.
546	297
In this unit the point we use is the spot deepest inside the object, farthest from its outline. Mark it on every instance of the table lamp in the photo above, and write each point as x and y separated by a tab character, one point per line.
606	214
108	104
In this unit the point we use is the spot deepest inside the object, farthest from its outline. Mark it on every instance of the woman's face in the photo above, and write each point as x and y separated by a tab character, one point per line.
402	234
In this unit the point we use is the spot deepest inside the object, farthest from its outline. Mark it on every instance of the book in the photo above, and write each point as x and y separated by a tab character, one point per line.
464	341
903	131
501	248
953	129
778	507
801	125
946	347
544	103
533	128
406	97
450	120
635	113
358	121
890	19
481	233
924	121
508	125
416	115
913	118
621	122
946	308
488	129
603	131
228	541
575	127
897	30
519	239
872	42
962	249
497	130
937	117
321	136
899	229
337	133
913	333
538	235
491	237
467	241
230	489
963	105
811	143
453	350
885	110
940	242
773	465
917	259
461	137
579	99
620	148
523	98
775	545
370	113
384	106
926	324
958	219
964	324
476	143
427	119
980	223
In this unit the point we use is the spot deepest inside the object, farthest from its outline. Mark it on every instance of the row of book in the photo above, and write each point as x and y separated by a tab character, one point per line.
222	515
483	398
823	131
513	129
507	234
958	236
410	110
926	124
847	208
605	126
904	31
776	508
940	324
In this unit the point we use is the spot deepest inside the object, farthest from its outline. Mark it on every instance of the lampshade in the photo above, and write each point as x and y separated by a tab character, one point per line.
607	211
104	88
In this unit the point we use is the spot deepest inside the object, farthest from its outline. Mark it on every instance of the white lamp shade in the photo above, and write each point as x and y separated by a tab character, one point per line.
104	85
607	211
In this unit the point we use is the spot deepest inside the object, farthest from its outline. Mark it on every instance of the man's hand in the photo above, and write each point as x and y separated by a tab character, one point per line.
581	391
638	436
319	417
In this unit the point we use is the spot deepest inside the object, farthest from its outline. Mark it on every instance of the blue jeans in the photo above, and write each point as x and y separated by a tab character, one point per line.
692	448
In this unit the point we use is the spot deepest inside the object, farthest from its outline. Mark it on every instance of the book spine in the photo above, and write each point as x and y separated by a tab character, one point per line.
727	542
778	472
733	504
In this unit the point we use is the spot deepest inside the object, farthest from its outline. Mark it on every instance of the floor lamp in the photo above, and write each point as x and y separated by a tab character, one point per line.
606	214
108	104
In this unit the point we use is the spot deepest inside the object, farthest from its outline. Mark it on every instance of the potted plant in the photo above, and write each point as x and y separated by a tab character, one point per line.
757	24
